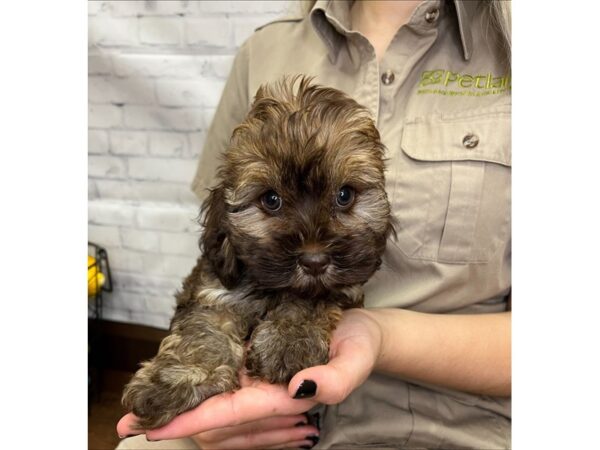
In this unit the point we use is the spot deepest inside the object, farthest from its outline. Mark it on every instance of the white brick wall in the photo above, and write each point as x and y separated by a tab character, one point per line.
156	71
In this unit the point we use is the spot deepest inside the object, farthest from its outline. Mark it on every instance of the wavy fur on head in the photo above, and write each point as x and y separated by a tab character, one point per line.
295	226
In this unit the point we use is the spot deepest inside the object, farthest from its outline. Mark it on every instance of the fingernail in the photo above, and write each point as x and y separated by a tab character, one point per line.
306	446
152	440
307	389
123	436
314	438
300	424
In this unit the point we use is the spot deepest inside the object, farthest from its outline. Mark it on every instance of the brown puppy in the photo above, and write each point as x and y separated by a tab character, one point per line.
295	227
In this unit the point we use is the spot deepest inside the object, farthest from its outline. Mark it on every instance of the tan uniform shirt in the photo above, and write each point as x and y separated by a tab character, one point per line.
441	99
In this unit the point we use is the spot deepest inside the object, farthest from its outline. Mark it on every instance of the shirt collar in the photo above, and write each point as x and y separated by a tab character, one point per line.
331	21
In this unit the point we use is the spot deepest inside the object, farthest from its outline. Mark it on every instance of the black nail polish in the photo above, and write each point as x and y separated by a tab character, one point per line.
314	438
126	436
300	424
306	446
307	389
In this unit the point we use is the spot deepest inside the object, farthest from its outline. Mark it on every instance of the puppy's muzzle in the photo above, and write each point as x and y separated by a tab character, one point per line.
314	263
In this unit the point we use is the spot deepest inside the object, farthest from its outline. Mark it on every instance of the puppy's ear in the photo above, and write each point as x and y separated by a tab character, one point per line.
215	241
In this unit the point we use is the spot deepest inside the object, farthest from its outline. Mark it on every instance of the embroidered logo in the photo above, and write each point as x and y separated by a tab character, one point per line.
446	82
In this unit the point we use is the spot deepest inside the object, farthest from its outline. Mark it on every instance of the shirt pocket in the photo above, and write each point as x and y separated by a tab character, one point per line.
450	187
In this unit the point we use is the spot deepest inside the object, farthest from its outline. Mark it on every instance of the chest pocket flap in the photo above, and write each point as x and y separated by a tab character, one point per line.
482	136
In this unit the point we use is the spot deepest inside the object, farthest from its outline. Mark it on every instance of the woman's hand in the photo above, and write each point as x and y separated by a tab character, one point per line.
262	415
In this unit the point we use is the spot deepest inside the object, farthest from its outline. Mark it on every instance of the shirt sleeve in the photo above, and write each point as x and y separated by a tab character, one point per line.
231	110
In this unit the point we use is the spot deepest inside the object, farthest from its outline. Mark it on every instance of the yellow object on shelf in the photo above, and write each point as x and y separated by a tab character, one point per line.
95	277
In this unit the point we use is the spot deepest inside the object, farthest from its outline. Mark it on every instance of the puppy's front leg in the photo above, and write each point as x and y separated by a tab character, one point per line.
200	358
292	337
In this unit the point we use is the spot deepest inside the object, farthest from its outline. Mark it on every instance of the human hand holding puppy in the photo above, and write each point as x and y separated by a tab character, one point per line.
260	414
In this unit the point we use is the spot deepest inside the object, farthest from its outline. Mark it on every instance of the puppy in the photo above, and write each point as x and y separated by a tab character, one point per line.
296	225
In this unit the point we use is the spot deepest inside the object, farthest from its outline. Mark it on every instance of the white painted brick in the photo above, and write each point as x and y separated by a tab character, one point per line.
128	142
106	167
272	7
161	31
94	7
128	260
152	320
147	241
161	169
215	7
196	141
117	315
219	65
160	305
153	65
123	8
99	90
105	236
136	91
104	116
107	31
213	32
204	93
99	64
180	244
146	191
97	142
107	212
153	8
244	27
168	265
142	283
168	144
155	118
92	190
168	218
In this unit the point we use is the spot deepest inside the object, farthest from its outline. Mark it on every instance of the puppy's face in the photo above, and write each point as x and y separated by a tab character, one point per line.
301	204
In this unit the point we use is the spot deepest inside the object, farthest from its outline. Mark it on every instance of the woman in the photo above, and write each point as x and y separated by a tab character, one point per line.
427	363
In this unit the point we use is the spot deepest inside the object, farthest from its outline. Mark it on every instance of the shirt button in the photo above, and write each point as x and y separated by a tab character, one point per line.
432	15
387	77
470	141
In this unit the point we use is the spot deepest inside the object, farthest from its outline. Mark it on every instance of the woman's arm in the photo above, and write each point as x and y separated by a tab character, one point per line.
465	352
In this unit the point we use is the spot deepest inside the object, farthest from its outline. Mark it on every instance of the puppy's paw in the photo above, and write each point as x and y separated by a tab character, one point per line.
280	349
157	392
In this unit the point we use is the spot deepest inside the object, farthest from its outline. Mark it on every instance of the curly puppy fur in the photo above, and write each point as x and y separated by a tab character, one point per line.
295	227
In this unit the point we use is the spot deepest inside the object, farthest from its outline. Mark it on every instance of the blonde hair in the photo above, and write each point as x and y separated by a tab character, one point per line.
499	13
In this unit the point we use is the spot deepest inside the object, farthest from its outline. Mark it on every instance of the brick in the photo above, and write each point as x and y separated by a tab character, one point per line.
146	191
135	91
168	218
155	118
94	7
104	116
92	190
161	31
168	144
273	8
128	260
99	64
97	142
215	7
108	31
161	169
128	142
106	167
160	305
196	144
168	265
117	315
142	283
218	65
145	65
152	320
106	236
103	212
180	244
99	90
204	93
214	32
146	241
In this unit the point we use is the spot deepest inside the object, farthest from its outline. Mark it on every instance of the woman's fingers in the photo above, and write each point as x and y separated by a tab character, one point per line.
272	423
349	367
272	438
232	408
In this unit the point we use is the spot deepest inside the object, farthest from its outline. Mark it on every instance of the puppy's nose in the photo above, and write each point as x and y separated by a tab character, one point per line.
314	263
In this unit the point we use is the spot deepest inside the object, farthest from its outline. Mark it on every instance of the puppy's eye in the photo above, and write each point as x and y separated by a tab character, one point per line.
271	201
345	197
